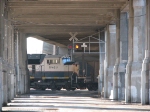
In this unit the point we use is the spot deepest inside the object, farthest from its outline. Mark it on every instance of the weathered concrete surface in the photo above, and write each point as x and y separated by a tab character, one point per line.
68	101
145	99
123	55
117	57
111	41
54	22
138	49
130	55
1	92
101	64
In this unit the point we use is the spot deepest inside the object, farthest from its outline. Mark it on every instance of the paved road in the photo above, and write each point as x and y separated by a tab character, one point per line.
68	101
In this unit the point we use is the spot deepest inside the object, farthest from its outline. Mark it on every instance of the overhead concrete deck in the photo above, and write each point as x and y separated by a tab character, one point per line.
54	19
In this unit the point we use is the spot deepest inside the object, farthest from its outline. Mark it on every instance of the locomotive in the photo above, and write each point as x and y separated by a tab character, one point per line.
56	72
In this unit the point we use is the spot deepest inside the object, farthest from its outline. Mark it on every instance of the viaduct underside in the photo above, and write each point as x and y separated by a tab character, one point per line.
122	24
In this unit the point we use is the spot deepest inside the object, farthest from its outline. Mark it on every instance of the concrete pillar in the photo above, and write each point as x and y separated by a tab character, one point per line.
27	81
24	62
101	62
1	76
117	51
2	26
5	63
6	53
17	62
14	73
109	61
5	96
145	65
1	49
123	55
130	55
106	62
136	50
12	60
21	67
21	59
9	60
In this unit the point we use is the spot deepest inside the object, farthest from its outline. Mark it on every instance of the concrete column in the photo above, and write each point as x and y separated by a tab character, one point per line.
9	51
101	62
106	62
145	65
21	63
17	61
27	79
4	88
130	54
12	60
109	61
1	49
24	59
2	27
117	49
1	83
123	55
14	73
5	64
138	49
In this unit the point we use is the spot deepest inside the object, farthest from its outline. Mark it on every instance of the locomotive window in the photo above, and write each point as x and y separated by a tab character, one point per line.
54	61
66	60
51	61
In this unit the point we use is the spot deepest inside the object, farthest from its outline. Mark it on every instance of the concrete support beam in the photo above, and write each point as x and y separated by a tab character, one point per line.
1	92
123	55
1	49
5	72
136	48
145	65
101	62
130	55
12	61
17	61
6	56
109	60
116	66
106	62
7	59
21	63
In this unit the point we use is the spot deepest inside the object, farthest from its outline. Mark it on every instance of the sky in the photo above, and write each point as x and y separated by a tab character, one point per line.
34	46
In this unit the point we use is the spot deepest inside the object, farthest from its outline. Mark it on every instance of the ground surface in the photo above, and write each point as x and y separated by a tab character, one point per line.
68	101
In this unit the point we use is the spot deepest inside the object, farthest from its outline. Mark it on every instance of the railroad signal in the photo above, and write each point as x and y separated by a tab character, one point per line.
77	46
70	47
73	36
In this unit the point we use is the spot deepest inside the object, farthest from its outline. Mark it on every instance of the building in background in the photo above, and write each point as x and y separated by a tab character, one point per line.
35	46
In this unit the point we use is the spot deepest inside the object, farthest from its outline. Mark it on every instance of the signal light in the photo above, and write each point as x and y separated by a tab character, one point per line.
70	47
77	46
